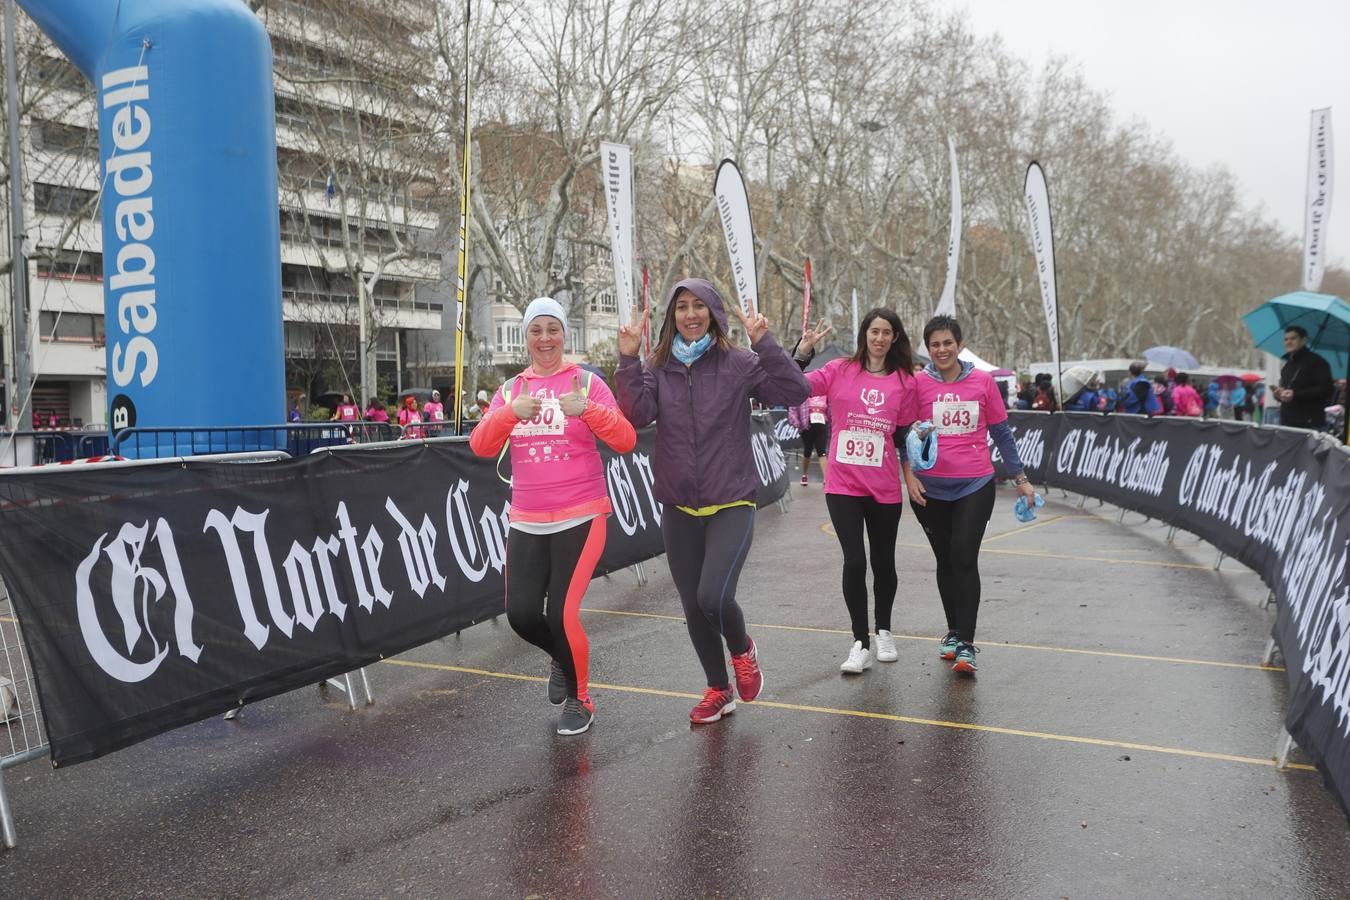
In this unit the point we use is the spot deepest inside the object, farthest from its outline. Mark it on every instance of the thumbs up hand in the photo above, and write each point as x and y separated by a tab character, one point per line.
524	405
574	402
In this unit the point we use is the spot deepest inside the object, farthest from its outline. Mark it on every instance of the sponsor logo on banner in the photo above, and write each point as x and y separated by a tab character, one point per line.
733	209
1321	163
617	160
196	587
1043	245
129	172
1137	466
947	304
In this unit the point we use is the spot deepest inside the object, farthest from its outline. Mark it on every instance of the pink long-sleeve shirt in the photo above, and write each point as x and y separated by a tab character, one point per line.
556	470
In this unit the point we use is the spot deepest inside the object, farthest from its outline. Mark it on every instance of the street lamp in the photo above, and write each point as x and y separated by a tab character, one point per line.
484	354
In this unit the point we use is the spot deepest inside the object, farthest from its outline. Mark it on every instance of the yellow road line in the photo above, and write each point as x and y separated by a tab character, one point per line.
1032	527
887	717
9	620
919	637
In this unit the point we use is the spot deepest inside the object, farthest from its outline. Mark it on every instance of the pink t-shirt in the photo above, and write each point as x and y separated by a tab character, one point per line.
555	463
962	411
865	411
347	412
433	411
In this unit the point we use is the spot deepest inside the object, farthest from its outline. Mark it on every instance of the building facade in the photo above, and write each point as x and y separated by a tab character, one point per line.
361	222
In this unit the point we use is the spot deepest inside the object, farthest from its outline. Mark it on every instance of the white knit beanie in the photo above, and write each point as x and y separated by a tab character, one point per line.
543	306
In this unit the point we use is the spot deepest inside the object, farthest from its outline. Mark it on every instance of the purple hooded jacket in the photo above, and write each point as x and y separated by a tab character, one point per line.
702	412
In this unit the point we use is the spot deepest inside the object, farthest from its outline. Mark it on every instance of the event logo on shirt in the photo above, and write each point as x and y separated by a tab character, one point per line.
873	399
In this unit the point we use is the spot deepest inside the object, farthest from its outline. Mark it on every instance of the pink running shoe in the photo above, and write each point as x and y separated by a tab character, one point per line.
749	677
715	704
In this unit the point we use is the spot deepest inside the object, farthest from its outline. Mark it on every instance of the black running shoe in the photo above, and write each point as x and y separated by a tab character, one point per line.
557	684
577	716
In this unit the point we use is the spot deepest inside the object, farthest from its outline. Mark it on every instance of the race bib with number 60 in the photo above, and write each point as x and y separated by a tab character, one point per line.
549	420
956	416
859	448
817	418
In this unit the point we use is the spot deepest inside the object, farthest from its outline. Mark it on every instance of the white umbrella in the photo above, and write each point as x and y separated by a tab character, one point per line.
1075	379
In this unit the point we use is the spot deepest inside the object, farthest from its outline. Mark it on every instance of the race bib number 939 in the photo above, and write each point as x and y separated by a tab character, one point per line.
857	447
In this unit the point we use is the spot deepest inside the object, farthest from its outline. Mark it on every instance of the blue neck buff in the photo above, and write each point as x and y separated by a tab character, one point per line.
686	352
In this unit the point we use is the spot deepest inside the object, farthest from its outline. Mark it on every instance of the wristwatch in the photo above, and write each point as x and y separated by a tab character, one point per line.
1021	480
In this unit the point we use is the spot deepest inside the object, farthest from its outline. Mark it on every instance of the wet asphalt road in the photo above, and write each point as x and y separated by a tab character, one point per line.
1115	743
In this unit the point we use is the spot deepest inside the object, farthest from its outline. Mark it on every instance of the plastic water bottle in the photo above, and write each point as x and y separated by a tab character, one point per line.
1026	512
921	446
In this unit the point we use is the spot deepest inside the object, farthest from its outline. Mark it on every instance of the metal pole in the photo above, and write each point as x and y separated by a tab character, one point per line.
361	339
19	393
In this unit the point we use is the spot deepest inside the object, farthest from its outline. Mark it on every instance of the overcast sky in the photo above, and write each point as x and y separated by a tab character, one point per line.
1228	82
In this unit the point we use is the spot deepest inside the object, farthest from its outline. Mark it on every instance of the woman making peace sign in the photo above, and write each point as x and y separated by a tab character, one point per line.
697	388
872	401
559	500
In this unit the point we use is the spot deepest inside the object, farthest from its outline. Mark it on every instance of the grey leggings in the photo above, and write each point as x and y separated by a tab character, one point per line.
706	554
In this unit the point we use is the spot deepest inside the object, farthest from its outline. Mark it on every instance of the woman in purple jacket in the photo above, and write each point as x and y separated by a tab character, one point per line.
697	388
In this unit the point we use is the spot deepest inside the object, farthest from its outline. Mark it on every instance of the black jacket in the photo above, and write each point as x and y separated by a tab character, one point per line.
1309	377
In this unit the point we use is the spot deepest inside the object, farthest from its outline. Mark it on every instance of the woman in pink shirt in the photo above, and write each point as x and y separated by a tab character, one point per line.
433	413
552	413
410	416
954	499
1185	398
346	411
872	401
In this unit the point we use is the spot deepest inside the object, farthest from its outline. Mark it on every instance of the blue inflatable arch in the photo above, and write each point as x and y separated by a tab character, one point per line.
191	237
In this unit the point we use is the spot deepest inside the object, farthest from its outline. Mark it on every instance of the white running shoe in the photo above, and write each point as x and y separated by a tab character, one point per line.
885	651
859	659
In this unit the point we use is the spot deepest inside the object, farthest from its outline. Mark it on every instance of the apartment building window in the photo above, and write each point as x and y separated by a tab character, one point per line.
62	200
63	138
75	265
75	328
576	337
604	302
509	338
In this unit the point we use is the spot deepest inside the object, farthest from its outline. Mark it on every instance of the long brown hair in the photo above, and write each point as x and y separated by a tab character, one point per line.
661	352
901	355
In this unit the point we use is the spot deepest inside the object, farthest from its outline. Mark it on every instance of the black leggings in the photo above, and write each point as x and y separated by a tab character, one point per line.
955	529
849	515
705	554
546	576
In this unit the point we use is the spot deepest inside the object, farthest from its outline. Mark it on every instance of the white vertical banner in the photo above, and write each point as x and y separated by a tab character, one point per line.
617	162
855	312
1318	214
947	304
733	209
1043	245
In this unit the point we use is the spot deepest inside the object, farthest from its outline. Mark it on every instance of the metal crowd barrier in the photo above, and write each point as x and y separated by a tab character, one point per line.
22	736
296	439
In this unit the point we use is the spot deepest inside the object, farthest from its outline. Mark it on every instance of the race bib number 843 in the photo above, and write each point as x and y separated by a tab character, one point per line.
956	416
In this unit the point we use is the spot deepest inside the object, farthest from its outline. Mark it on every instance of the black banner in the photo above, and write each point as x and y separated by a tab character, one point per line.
154	596
1276	500
789	438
